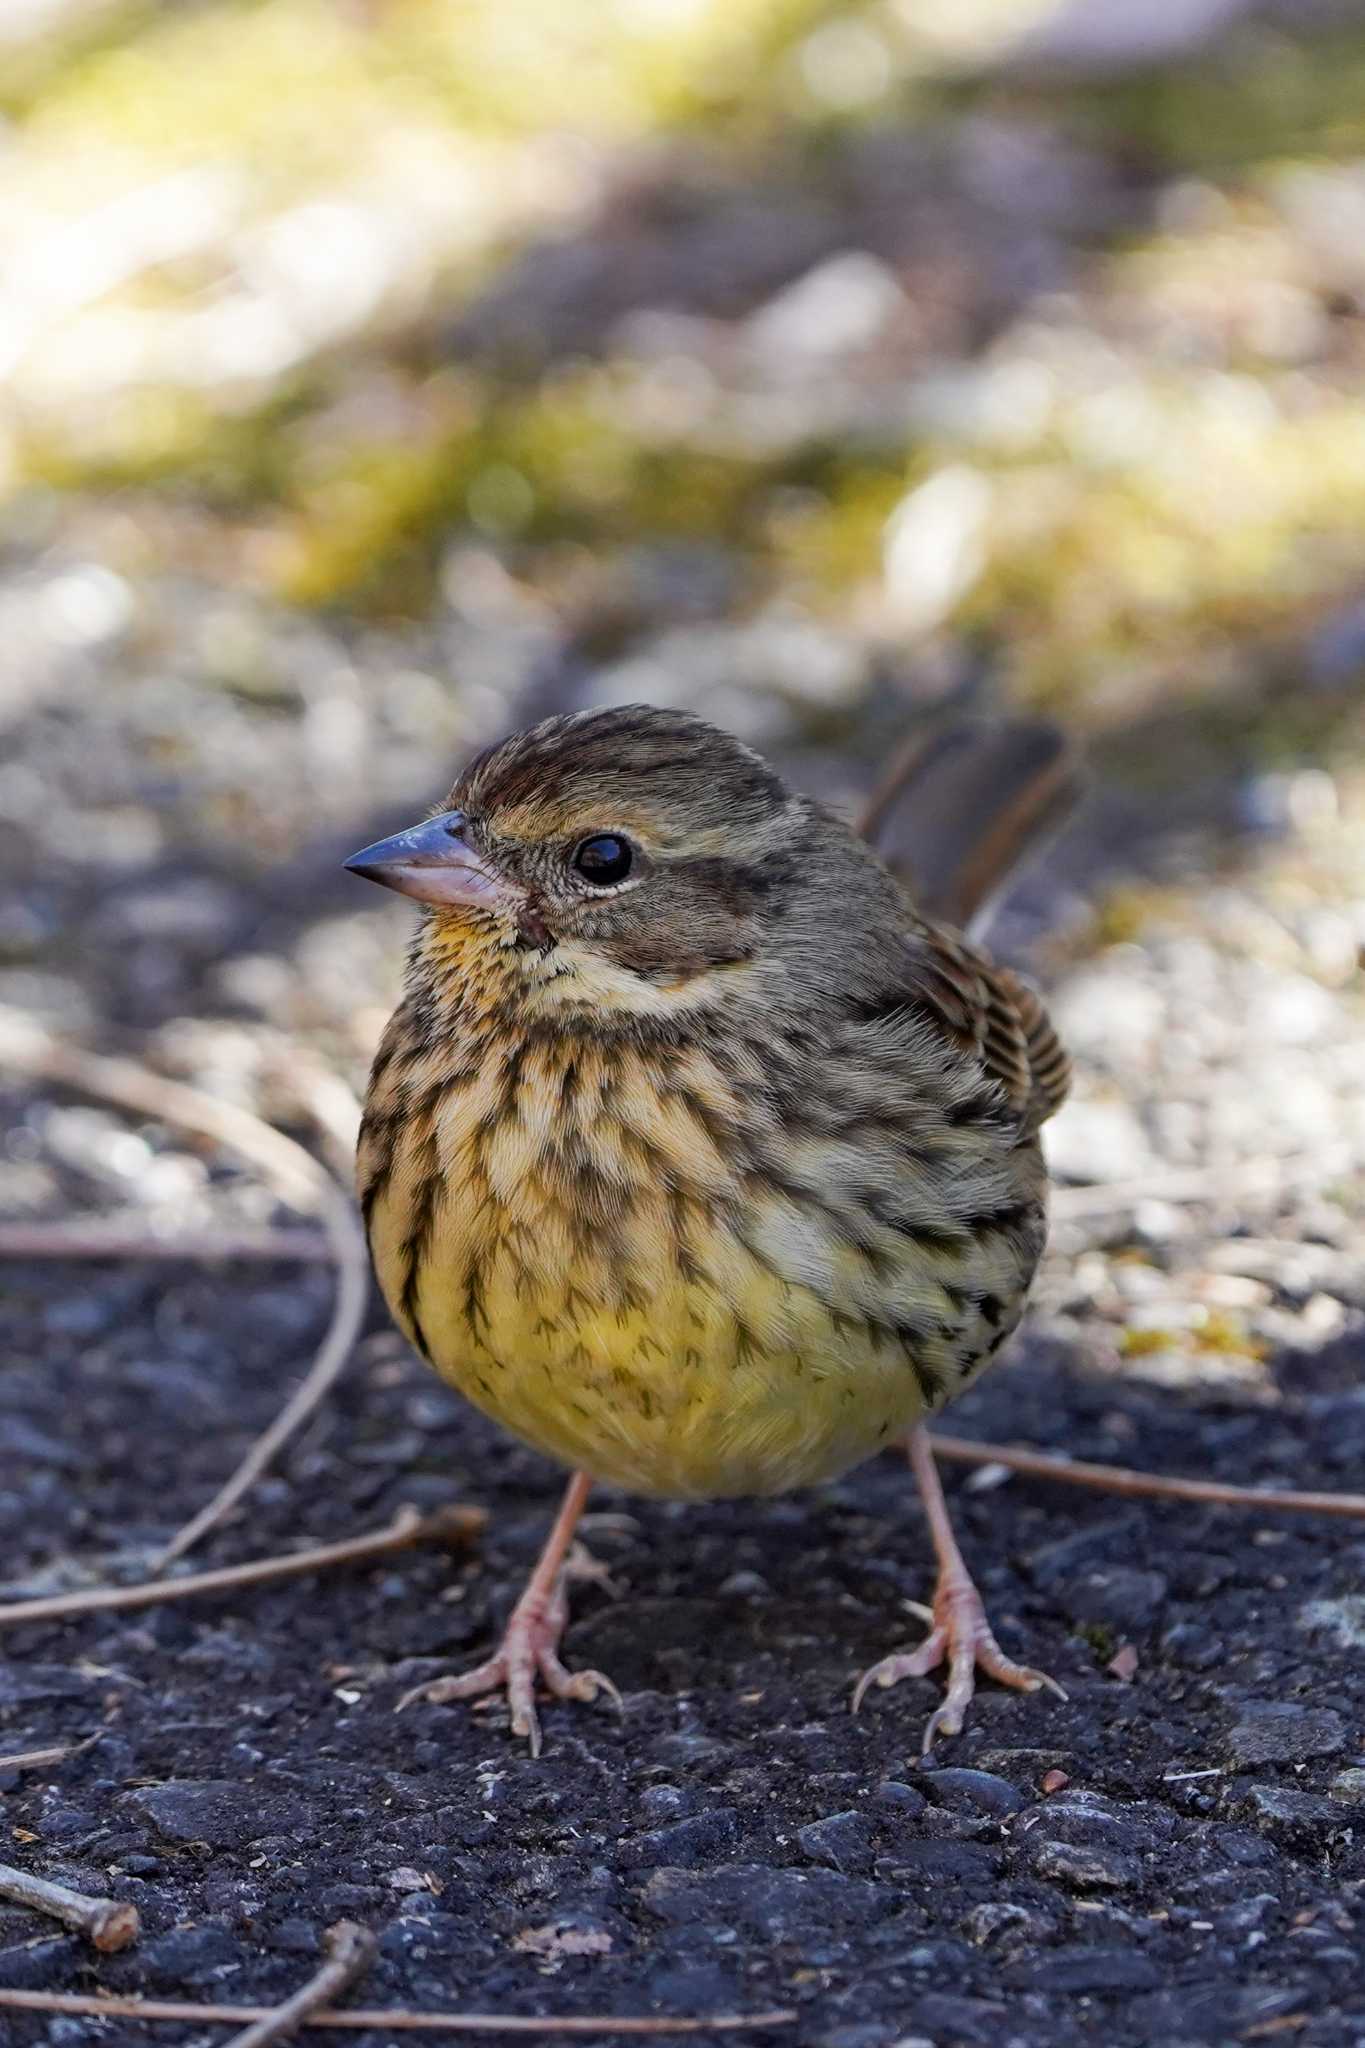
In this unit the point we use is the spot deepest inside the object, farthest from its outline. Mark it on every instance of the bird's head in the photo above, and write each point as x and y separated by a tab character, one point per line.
634	852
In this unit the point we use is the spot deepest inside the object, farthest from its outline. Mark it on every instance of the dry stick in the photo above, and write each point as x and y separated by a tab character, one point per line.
959	1450
25	1045
328	1100
350	1949
397	2021
35	1759
109	1923
95	1241
453	1524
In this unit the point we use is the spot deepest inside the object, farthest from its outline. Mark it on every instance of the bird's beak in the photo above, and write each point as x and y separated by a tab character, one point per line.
432	862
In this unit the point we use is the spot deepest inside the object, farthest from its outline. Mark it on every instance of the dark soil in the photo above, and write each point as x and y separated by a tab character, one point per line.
735	1839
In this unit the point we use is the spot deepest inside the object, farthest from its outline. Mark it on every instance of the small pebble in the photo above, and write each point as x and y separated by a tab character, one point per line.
843	1841
1282	1732
1349	1786
770	1905
977	1791
1084	1869
700	1838
1294	1817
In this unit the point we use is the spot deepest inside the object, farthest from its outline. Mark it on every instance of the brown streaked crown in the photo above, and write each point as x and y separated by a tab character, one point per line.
694	779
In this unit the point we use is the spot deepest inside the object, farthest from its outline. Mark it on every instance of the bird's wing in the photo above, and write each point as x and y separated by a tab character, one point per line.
961	809
956	991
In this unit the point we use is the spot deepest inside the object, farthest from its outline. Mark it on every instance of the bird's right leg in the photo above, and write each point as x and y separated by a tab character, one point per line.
959	1635
529	1649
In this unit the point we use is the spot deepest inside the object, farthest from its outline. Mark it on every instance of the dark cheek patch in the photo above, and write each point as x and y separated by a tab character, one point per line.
744	886
698	915
660	951
686	918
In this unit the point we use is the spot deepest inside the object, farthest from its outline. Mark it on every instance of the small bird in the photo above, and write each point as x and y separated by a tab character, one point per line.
698	1154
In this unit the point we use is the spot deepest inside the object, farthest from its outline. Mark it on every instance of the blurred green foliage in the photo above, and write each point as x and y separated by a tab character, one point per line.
249	247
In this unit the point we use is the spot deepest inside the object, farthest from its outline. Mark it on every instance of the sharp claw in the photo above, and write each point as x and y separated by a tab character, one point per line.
612	1692
527	1654
960	1632
941	1722
526	1724
522	1706
1023	1677
434	1692
905	1664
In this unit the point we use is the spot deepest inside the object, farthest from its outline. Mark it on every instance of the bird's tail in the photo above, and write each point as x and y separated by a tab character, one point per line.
964	806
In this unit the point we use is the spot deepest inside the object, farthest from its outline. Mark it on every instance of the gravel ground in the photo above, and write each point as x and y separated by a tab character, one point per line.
1175	1852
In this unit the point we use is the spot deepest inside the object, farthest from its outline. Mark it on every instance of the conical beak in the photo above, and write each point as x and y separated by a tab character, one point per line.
432	863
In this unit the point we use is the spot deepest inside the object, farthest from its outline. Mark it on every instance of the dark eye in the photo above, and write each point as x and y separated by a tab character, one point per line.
604	859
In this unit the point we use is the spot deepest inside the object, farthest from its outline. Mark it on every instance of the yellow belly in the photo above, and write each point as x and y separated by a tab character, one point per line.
678	1396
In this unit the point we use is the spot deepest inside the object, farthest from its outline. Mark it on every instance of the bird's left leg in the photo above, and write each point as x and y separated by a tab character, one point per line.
530	1645
958	1629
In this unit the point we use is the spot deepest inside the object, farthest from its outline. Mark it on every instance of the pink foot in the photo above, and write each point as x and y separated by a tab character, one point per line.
959	1632
528	1651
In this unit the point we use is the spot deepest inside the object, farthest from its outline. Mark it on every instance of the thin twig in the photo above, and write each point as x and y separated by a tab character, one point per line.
327	1099
96	1241
27	1047
37	1759
110	1924
350	1949
395	2021
448	1525
960	1450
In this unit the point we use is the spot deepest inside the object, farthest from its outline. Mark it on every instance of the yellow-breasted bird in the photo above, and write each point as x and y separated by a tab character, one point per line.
697	1153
